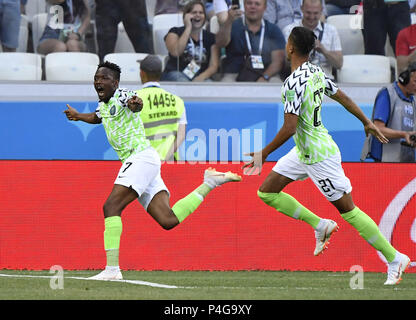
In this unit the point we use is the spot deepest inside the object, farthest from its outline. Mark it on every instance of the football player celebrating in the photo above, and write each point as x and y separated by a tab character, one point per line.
317	156
139	176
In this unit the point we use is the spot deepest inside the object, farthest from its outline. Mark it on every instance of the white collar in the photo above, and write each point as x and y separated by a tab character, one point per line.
151	84
317	28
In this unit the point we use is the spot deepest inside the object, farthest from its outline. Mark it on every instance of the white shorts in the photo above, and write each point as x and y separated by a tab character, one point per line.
141	172
328	175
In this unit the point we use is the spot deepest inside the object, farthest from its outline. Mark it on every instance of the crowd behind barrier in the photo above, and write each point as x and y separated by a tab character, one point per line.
371	42
103	27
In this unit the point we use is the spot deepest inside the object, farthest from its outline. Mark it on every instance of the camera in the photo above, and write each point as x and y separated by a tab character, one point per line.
412	138
235	3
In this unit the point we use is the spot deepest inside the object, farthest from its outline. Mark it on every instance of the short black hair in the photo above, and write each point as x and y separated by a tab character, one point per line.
152	66
113	67
303	39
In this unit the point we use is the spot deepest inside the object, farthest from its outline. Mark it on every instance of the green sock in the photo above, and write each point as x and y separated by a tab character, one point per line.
112	234
289	206
369	230
185	206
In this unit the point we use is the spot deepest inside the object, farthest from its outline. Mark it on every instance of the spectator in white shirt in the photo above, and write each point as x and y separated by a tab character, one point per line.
328	50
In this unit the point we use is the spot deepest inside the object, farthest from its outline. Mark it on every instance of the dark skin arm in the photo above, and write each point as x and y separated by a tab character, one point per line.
135	104
73	115
369	127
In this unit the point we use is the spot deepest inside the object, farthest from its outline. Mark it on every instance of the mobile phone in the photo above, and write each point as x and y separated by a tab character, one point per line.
236	3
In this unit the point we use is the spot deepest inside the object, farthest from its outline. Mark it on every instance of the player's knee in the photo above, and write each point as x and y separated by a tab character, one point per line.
268	198
110	208
169	221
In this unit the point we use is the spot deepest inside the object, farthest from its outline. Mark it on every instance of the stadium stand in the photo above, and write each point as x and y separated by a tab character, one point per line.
130	68
150	8
71	66
20	66
123	43
23	37
360	68
38	25
348	27
161	25
34	7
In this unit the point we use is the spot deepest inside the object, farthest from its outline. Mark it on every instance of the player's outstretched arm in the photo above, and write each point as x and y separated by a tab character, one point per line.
353	108
73	115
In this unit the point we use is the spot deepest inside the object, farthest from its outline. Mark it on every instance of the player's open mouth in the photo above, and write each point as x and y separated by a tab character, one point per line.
100	91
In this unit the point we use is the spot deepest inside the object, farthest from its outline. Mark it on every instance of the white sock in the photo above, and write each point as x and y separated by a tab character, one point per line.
112	268
320	225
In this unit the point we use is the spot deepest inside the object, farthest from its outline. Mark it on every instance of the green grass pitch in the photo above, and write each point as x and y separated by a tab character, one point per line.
203	285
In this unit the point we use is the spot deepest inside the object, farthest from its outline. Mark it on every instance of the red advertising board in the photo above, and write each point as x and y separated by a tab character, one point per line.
51	214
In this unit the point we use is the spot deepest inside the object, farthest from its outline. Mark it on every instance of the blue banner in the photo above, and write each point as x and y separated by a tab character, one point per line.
216	131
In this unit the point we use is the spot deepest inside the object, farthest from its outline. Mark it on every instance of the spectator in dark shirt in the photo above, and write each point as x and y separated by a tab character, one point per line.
133	14
71	35
335	7
382	18
193	55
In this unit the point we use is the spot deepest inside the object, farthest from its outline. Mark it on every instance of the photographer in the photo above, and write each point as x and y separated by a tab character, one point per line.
394	114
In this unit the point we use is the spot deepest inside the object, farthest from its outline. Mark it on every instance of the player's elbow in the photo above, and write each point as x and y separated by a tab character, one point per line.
290	129
168	225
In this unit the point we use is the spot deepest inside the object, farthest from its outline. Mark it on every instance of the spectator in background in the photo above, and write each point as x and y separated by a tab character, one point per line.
405	47
23	6
283	12
412	5
328	51
9	25
335	7
133	14
70	35
169	6
394	114
193	55
166	128
221	10
382	17
255	48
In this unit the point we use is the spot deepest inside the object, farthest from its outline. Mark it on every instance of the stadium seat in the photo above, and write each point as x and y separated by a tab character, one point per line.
349	31
123	43
71	66
23	36
130	68
34	7
150	8
20	66
38	25
161	25
365	69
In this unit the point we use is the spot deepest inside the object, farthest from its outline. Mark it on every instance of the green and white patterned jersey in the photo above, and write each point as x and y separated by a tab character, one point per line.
302	95
124	128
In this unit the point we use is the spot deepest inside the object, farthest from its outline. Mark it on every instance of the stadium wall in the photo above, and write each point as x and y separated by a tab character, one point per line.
216	131
226	119
51	214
